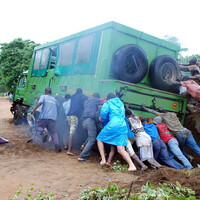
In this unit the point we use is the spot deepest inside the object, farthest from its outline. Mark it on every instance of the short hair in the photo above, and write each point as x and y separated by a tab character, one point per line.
96	95
193	61
48	90
67	96
111	96
128	112
194	72
79	91
146	119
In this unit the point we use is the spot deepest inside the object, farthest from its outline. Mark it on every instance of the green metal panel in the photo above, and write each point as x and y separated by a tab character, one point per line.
136	95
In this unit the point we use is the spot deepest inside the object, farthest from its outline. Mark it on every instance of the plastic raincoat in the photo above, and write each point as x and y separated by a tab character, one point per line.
115	131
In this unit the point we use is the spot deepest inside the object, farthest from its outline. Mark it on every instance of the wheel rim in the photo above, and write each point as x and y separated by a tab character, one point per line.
168	72
130	64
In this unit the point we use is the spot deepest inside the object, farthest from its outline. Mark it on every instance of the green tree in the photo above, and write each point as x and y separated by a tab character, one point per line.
175	40
181	58
14	58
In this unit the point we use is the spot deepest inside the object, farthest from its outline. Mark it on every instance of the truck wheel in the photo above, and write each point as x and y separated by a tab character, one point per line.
163	72
17	118
130	63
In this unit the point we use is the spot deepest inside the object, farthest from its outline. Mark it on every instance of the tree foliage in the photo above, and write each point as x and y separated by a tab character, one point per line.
14	58
181	58
175	40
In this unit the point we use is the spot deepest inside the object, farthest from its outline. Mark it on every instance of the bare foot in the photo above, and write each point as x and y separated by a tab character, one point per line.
82	159
65	147
108	164
132	169
70	153
102	163
82	147
144	168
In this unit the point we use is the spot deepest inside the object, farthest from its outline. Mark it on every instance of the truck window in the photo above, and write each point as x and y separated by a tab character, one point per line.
66	52
53	57
84	49
37	60
45	58
41	62
78	56
22	82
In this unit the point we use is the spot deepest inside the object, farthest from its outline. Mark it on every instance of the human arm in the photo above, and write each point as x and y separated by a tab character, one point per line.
38	105
184	68
150	110
104	111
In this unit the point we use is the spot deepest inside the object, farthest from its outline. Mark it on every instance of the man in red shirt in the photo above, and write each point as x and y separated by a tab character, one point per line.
171	141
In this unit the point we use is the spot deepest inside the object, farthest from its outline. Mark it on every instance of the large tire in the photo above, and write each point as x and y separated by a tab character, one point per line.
164	72
17	117
130	63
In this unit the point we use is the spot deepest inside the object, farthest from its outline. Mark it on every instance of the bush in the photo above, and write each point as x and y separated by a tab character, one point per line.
114	192
30	196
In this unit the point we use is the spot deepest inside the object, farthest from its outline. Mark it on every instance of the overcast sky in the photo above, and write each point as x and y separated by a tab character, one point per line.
47	20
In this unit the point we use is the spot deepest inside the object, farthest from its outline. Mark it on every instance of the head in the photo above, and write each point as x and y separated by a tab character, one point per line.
193	61
145	121
48	91
194	72
96	95
157	120
111	96
162	110
128	112
67	97
79	91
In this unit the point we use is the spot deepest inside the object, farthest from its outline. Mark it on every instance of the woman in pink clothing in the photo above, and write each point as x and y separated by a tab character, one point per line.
192	88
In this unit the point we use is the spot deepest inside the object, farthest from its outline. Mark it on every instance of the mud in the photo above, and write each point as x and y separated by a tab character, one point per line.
28	163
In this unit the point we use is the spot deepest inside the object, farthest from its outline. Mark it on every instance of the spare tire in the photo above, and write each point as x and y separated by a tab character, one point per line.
164	72
130	63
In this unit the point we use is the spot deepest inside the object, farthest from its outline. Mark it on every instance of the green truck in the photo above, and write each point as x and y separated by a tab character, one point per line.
112	57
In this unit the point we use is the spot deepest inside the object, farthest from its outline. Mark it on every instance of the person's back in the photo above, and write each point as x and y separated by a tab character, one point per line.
169	118
49	107
172	122
115	108
164	132
77	104
151	130
90	107
47	118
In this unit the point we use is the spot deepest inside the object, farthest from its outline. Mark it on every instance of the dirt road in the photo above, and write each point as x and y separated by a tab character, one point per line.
27	163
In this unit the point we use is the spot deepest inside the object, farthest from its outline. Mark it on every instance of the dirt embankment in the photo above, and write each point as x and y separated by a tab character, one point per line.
27	163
